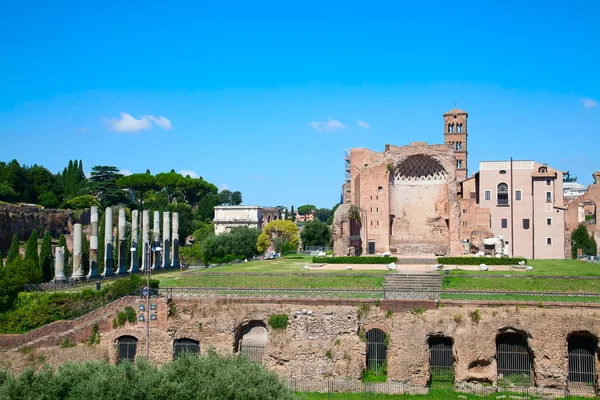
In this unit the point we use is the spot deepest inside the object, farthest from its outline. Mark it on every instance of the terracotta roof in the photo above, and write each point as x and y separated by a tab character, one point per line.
455	111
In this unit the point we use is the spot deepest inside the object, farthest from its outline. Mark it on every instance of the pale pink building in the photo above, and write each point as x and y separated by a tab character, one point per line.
525	203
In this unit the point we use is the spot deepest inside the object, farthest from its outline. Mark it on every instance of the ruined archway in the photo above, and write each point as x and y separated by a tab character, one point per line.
250	339
582	350
514	359
418	187
441	360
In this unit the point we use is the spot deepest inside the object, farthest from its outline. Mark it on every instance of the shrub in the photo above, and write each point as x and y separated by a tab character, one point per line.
476	316
83	201
66	343
458	318
329	354
95	336
480	260
189	376
278	321
418	310
363	310
354	260
389	314
131	315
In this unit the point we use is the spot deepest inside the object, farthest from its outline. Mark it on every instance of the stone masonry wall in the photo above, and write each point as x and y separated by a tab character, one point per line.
323	339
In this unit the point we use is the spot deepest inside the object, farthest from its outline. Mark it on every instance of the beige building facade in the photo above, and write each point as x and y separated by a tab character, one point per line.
228	217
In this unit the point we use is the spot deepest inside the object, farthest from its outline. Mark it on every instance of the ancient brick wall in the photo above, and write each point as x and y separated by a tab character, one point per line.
324	339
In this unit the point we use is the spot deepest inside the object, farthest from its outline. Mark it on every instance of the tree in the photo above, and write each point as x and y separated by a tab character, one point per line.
13	278
236	198
81	202
239	243
103	185
581	240
46	259
170	182
31	249
306	209
281	234
7	193
194	190
322	214
206	207
13	252
225	197
315	233
293	214
139	183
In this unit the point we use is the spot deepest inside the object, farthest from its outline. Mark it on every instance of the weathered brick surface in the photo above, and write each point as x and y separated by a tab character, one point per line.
323	338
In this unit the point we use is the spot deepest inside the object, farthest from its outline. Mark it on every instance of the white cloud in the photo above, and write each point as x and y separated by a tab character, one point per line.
125	172
192	174
363	124
127	123
589	103
223	187
329	126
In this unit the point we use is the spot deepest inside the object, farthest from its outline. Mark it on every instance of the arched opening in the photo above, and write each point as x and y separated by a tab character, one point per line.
376	356
502	194
582	350
587	212
184	345
514	360
127	348
250	340
419	167
441	360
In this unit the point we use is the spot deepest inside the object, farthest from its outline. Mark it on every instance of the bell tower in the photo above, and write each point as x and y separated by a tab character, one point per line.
455	135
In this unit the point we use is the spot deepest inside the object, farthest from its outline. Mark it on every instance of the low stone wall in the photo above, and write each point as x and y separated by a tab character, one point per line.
323	338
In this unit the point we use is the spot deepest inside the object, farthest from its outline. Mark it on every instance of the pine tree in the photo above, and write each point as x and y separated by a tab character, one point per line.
62	242
13	252
31	250
46	259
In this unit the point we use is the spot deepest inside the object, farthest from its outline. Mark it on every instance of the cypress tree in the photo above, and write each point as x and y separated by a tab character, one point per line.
31	250
85	254
293	214
46	258
13	252
62	241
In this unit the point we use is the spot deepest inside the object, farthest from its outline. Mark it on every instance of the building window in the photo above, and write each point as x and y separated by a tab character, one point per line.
464	223
459	128
504	223
502	194
127	347
464	210
380	189
488	195
181	346
548	182
548	197
459	164
371	209
525	223
377	209
548	221
549	241
517	195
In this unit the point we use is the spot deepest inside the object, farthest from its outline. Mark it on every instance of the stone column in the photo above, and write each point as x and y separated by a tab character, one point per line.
77	242
108	243
145	240
59	264
175	237
93	272
166	259
134	242
156	241
123	248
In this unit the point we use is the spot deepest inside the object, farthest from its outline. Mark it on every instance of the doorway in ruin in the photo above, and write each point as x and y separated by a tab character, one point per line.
514	359
582	350
250	340
419	200
586	212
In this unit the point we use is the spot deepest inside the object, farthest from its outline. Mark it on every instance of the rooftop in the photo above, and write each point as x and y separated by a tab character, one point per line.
455	111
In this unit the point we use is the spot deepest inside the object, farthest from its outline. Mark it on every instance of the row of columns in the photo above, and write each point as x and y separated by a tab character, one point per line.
166	254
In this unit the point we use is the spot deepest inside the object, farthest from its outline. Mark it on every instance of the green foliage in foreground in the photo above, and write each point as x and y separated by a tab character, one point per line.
354	260
188	377
480	260
33	310
238	244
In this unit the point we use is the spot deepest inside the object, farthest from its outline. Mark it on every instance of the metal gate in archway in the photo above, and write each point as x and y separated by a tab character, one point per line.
376	351
514	360
127	346
181	346
582	359
441	360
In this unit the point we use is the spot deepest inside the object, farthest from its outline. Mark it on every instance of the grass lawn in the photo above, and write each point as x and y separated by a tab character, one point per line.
543	267
432	395
287	281
523	284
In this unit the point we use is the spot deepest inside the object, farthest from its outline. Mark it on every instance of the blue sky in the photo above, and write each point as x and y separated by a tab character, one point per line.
241	86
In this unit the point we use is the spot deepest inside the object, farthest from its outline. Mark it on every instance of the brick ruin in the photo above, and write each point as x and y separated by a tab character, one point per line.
327	339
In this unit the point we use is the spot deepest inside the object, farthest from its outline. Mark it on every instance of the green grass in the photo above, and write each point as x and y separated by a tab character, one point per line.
541	267
434	394
523	284
286	281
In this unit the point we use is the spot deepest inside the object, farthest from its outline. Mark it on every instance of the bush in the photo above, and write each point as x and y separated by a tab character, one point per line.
354	260
238	244
189	376
278	321
480	260
66	343
81	202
